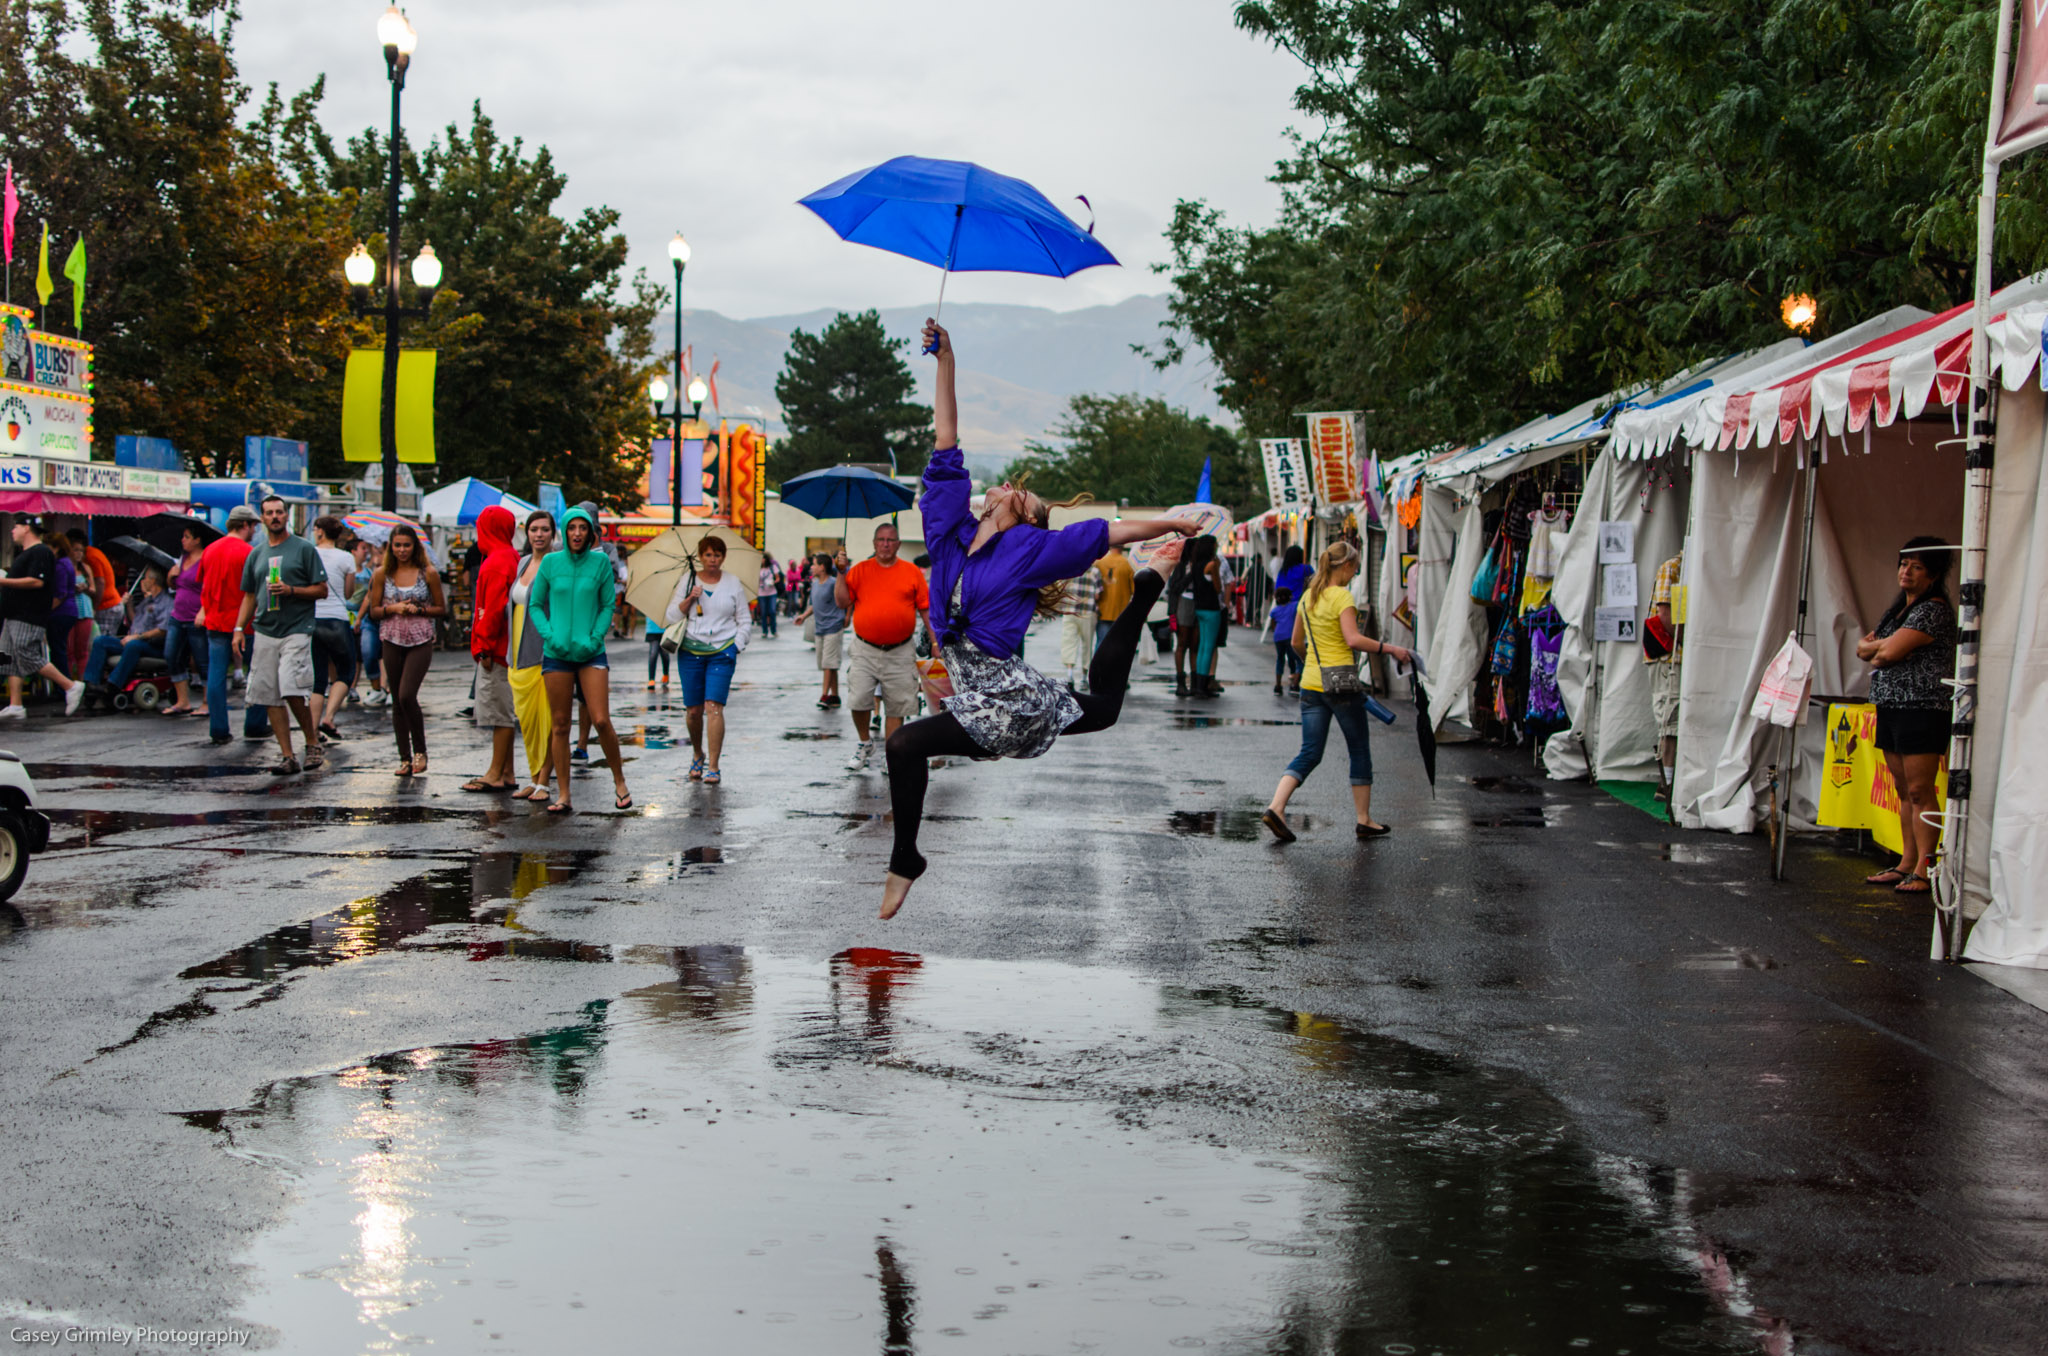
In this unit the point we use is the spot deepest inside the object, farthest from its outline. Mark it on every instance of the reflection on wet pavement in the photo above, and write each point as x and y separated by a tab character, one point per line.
484	893
1237	826
1520	786
886	1150
90	827
144	772
1187	722
1522	817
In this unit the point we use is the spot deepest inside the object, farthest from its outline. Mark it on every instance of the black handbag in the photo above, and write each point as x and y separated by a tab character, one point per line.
1340	684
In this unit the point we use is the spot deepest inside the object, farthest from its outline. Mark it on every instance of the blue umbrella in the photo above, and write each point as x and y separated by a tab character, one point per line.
845	492
959	216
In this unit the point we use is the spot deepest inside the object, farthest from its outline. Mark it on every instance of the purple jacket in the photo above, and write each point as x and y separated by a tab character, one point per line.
1004	577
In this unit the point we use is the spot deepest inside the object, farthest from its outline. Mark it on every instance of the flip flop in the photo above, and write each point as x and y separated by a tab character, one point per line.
1912	885
622	802
557	808
1891	875
479	784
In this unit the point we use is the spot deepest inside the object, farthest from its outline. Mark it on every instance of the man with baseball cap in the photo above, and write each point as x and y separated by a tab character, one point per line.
220	603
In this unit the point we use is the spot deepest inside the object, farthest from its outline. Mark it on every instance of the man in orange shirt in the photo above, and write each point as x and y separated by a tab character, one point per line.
220	603
885	597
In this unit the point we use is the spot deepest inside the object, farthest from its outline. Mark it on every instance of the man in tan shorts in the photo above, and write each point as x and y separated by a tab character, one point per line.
885	597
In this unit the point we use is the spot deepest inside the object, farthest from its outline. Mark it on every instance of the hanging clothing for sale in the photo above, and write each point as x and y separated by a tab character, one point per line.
1546	642
1544	527
1506	642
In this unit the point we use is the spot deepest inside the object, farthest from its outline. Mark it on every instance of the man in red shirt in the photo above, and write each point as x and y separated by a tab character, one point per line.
220	603
885	597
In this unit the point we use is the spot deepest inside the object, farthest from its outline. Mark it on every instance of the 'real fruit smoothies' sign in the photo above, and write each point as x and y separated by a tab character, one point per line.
46	390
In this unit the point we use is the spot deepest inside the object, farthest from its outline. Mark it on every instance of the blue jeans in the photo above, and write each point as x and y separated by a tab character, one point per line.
1285	660
220	657
132	653
372	649
1317	711
766	613
184	650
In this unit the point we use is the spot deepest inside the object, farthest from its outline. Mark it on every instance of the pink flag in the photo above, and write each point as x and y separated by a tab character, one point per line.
12	205
2029	70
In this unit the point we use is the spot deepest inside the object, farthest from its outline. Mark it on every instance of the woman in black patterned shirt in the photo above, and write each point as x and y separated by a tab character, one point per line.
1913	649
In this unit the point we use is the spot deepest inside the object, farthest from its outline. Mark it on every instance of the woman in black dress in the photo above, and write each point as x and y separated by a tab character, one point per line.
1913	649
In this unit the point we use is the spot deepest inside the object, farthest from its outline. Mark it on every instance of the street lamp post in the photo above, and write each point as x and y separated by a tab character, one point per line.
396	35
679	254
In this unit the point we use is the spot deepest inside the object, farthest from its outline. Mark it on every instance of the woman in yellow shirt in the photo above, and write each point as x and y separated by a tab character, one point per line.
1326	632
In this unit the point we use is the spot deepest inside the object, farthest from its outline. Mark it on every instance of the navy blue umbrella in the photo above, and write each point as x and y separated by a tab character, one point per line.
957	215
845	492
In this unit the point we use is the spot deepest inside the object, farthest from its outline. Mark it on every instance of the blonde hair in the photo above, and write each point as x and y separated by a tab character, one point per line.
1052	596
1335	557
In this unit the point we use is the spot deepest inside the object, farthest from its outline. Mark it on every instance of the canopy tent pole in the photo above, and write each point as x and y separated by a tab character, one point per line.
1949	874
1788	743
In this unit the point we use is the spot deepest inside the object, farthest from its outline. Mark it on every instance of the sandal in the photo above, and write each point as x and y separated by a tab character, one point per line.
556	807
622	801
419	765
1278	825
479	784
696	769
1891	875
315	758
1915	884
711	776
404	769
285	767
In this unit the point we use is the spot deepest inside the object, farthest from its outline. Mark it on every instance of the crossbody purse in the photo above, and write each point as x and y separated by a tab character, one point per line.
1340	684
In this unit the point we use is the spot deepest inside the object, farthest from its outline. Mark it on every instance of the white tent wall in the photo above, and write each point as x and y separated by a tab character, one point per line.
1458	645
1574	592
1436	543
1616	732
1744	597
2009	810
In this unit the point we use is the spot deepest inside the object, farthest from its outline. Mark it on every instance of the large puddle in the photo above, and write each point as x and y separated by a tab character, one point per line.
757	1154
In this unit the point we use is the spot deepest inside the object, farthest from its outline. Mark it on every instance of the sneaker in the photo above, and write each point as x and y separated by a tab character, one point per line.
580	755
862	752
376	696
13	713
72	697
221	739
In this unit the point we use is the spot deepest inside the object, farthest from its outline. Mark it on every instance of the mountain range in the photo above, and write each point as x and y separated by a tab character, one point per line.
1018	364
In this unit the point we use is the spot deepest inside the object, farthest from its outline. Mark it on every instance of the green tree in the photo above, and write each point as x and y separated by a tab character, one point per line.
1511	206
1142	451
846	396
545	345
214	301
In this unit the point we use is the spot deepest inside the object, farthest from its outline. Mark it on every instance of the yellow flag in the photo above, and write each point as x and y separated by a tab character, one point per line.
361	383
415	422
74	269
45	284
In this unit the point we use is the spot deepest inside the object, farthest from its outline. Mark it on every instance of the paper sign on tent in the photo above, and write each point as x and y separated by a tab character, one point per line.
1617	543
1618	585
1615	623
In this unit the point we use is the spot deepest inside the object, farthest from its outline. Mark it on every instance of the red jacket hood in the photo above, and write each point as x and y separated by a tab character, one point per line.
490	626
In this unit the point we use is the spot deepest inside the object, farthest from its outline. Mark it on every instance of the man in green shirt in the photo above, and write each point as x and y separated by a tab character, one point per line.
281	580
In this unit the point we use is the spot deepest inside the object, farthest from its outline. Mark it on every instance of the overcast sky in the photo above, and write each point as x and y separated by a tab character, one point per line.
715	118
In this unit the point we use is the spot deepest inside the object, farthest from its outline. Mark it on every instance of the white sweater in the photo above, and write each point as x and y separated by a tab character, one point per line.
720	618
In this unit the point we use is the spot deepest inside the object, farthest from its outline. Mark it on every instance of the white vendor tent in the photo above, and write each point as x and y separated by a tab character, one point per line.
1871	432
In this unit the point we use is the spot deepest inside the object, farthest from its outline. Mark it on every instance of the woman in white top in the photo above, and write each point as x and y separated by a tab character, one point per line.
719	627
334	644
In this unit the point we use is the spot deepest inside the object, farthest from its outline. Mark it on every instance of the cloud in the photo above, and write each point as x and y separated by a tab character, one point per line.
716	119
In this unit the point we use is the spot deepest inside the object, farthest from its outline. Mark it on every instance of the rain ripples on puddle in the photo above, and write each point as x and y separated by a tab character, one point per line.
751	1153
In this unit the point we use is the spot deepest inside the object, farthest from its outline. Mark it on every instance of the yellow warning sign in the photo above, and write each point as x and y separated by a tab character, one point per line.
1856	790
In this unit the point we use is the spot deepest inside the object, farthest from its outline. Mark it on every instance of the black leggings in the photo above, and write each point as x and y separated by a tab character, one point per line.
916	742
405	668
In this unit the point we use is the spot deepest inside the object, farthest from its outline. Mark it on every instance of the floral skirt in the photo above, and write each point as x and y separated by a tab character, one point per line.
1006	706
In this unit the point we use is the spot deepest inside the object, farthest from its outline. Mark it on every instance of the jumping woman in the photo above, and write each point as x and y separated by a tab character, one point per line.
988	578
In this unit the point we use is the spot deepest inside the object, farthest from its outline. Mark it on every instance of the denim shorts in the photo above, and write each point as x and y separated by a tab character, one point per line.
550	664
706	677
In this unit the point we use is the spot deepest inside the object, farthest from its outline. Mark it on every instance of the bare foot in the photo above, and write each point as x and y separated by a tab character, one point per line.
1166	557
895	889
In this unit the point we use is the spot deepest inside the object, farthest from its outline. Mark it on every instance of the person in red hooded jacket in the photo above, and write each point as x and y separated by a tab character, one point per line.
490	626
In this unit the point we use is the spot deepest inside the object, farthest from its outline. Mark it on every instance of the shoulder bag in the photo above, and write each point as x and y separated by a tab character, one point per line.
1340	683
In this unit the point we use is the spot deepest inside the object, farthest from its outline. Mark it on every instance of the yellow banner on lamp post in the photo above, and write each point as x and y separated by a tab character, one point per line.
362	405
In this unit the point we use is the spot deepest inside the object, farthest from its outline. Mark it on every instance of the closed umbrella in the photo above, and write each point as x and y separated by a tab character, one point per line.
663	561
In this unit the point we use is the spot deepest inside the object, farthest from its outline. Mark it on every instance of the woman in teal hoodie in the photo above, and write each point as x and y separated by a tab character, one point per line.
571	607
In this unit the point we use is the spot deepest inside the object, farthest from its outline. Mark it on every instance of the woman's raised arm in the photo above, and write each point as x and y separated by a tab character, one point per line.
1130	533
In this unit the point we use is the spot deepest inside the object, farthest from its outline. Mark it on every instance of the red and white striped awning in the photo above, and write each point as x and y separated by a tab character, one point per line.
1892	375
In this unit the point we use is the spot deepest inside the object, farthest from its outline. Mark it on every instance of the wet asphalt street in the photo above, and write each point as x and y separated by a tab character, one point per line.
339	1063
